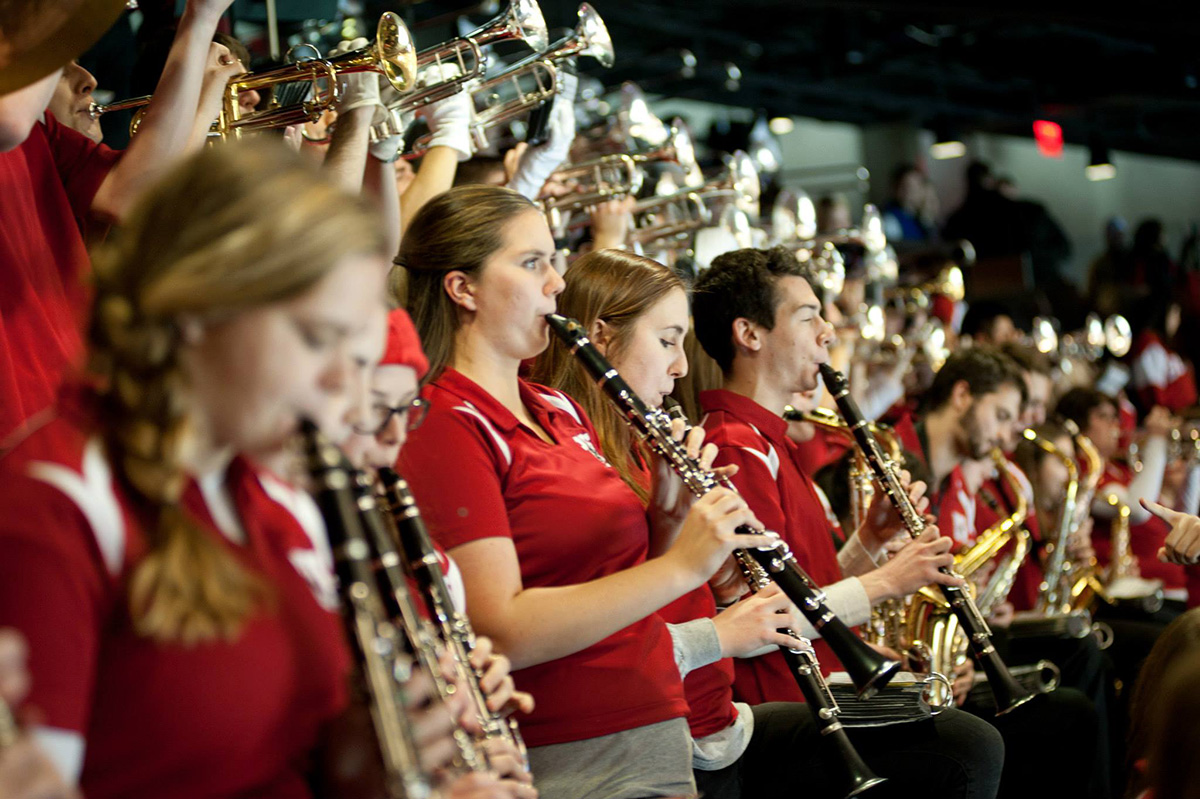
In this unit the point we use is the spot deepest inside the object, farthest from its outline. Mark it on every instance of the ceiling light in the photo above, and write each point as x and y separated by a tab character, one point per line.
782	125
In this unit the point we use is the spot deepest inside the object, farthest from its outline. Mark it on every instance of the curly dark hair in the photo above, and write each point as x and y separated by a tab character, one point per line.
739	285
984	369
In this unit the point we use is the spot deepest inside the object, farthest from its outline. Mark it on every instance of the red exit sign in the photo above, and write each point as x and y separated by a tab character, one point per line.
1049	138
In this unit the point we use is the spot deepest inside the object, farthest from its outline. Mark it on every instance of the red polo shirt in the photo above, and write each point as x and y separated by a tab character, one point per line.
1145	539
784	499
223	718
477	472
46	190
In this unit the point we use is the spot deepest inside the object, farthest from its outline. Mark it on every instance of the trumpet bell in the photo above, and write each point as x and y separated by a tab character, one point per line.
1118	336
593	37
393	53
523	20
1045	337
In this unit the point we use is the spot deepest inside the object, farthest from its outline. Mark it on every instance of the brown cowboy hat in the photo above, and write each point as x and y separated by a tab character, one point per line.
39	36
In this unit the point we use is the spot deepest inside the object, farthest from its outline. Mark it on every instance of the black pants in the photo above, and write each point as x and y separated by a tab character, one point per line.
953	756
1050	745
1087	669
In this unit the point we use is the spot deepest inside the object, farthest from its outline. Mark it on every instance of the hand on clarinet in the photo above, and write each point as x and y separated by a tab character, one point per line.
486	786
1182	546
709	535
883	523
670	500
916	565
497	682
750	627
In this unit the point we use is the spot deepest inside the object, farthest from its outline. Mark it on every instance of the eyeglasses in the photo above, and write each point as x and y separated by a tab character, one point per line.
380	415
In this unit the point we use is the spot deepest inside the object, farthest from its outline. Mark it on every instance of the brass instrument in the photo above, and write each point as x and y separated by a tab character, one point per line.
992	542
392	54
529	83
669	217
1125	581
382	650
522	20
616	175
866	668
9	731
453	627
450	67
1008	694
738	183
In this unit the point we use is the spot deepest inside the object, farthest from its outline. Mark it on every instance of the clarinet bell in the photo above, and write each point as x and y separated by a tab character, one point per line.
868	670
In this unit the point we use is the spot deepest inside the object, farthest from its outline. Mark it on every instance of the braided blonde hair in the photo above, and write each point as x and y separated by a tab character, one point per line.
233	228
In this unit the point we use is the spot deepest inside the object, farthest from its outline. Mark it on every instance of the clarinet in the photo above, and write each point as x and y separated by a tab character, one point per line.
454	628
1008	693
382	651
867	668
399	605
805	669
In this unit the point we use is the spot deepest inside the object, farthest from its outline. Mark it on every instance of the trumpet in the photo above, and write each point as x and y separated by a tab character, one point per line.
738	184
619	174
527	84
669	217
382	650
1008	694
522	20
866	668
391	54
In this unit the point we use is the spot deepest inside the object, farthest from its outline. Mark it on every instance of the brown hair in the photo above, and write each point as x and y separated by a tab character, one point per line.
455	231
616	287
1173	739
1180	639
228	230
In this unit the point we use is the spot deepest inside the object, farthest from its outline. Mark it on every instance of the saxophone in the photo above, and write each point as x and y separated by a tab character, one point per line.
932	627
1125	581
1060	610
1007	693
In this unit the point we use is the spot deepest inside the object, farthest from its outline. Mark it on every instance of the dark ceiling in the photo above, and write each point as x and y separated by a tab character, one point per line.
1127	74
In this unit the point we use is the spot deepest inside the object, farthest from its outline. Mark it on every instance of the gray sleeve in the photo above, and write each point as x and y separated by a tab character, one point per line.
695	643
849	602
854	558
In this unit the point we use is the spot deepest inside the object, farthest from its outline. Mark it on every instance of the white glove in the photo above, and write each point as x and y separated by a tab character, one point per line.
386	148
538	163
357	89
449	120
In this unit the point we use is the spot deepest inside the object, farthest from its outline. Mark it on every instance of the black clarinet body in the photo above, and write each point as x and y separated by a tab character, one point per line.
422	564
383	652
867	668
1008	693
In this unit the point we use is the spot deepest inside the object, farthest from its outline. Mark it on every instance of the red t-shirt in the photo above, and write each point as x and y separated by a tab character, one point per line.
785	501
46	190
1145	539
826	447
224	718
476	473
